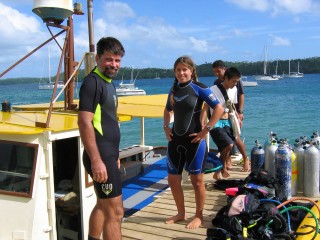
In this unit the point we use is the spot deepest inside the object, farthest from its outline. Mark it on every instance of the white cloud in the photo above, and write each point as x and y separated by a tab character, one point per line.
277	7
117	11
280	41
259	5
199	45
14	23
18	33
239	32
294	6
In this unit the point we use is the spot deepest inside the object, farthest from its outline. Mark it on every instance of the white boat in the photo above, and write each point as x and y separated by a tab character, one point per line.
49	85
266	76
157	76
276	73
129	89
295	74
246	83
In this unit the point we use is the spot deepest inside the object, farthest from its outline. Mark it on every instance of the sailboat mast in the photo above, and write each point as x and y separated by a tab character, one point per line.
265	60
289	67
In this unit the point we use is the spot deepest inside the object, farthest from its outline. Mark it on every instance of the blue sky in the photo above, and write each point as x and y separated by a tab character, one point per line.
155	33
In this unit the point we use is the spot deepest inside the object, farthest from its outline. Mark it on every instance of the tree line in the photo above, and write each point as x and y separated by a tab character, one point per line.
306	66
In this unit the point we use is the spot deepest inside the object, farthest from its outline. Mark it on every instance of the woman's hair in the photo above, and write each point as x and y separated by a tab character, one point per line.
186	61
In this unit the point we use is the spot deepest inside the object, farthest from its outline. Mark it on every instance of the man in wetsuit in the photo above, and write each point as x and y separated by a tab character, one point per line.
100	134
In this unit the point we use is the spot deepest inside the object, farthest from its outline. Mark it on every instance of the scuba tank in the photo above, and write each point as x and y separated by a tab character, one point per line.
311	171
270	148
294	169
299	150
315	138
257	157
272	136
283	167
294	173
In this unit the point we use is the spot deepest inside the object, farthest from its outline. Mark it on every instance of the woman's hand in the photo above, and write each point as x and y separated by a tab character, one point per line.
168	132
199	136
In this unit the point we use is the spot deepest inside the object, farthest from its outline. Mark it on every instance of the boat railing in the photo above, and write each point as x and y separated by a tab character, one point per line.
76	71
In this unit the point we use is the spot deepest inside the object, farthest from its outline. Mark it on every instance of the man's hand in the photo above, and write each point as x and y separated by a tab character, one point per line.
99	171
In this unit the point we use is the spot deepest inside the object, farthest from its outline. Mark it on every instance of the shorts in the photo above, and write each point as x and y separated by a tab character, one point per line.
222	136
113	187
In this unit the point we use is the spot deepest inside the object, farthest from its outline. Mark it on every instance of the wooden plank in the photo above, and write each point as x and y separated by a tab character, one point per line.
127	234
149	222
159	228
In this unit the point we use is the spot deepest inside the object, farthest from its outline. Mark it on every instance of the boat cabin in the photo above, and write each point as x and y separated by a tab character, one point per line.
45	192
42	181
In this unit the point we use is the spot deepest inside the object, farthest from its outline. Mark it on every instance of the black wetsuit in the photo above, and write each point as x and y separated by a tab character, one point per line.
98	95
189	98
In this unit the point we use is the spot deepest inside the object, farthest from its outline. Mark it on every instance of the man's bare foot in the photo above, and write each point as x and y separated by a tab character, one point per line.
195	223
246	165
225	173
176	218
216	175
229	166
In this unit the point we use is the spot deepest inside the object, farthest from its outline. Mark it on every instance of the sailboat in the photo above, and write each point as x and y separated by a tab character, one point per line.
129	89
157	76
265	76
295	74
276	73
49	85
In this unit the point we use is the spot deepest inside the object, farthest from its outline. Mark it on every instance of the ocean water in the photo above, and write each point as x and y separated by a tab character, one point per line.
289	107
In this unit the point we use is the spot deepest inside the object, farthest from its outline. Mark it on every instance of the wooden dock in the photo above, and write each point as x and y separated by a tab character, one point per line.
149	223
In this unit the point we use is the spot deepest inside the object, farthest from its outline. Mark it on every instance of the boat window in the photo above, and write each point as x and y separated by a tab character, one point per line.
17	168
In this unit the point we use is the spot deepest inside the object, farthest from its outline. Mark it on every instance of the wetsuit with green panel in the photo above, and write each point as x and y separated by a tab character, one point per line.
98	95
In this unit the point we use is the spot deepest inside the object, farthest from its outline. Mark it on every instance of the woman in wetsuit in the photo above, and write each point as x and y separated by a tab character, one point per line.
187	147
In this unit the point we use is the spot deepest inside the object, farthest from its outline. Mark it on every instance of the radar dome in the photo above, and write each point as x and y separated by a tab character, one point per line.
55	11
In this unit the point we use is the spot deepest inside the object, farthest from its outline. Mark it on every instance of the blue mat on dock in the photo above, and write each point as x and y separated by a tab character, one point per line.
138	192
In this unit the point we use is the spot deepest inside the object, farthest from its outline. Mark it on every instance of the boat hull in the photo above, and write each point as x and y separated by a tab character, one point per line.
50	86
267	78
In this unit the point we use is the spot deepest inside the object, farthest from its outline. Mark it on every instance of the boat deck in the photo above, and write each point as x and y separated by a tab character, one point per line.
149	222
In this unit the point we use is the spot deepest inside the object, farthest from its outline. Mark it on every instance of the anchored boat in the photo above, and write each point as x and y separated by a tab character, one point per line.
129	89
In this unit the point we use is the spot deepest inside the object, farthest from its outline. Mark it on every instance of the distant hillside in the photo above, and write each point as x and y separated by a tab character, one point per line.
307	66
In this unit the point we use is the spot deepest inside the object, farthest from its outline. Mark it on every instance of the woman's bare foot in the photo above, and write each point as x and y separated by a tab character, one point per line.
195	223
176	218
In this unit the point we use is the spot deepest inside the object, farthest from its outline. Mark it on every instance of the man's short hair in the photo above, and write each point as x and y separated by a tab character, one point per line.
218	63
110	44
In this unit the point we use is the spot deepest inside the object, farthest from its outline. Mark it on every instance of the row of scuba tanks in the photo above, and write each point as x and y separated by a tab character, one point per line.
297	168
